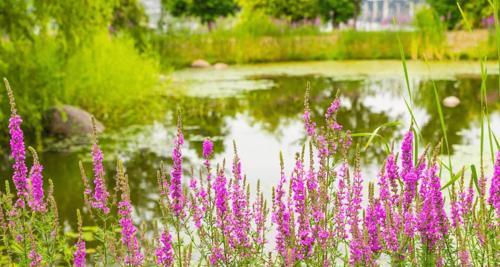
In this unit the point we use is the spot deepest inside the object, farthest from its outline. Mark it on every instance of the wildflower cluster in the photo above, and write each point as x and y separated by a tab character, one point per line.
320	214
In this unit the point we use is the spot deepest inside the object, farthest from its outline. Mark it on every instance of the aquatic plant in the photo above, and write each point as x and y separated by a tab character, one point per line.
320	214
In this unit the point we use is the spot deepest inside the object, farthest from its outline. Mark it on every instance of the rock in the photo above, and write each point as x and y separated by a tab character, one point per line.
69	120
451	101
220	66
200	63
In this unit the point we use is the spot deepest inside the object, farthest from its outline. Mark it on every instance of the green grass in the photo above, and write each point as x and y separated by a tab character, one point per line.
179	49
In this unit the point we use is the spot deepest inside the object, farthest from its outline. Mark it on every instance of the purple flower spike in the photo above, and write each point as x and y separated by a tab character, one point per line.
176	194
79	255
35	198
494	198
164	253
18	153
100	197
208	148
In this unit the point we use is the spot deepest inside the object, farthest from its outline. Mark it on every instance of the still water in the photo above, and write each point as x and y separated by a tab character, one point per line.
260	106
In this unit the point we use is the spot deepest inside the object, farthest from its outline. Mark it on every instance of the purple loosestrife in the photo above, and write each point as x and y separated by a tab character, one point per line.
221	195
79	255
133	257
80	252
35	188
342	201
17	148
360	252
384	193
407	153
176	194
299	194
355	199
100	196
240	219
494	198
208	148
35	258
196	203
281	215
391	172
333	108
165	253
18	153
409	175
259	214
309	124
389	232
375	217
432	222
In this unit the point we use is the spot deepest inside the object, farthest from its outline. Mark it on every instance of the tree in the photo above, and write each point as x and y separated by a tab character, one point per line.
129	16
294	10
339	11
475	11
207	11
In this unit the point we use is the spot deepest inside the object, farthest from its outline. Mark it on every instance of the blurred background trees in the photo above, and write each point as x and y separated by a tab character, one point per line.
102	54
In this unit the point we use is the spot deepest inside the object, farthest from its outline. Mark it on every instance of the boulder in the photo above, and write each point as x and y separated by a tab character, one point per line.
451	101
220	66
69	121
200	63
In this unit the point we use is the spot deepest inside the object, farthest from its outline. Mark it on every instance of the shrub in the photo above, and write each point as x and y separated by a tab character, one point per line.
108	77
108	71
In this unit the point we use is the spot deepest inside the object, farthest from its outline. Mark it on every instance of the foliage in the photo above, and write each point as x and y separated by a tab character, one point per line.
295	10
114	78
129	16
46	42
476	10
206	10
339	11
431	34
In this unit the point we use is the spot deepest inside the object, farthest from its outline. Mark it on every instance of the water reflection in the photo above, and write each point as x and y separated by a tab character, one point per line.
263	122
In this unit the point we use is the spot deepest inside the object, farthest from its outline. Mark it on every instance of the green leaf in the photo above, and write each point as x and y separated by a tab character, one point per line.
453	179
375	132
474	176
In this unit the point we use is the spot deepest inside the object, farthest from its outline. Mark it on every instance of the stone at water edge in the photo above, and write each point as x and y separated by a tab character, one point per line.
220	66
200	63
451	101
69	121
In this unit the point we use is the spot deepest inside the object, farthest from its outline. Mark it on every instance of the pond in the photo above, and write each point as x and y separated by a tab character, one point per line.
259	107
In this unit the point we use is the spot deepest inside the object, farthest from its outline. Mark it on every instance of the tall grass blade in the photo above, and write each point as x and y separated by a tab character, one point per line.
443	126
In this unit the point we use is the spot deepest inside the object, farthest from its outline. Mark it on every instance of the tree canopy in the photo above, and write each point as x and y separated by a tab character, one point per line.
207	11
475	11
339	11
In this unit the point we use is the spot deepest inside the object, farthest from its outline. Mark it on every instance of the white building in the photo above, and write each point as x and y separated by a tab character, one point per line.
381	14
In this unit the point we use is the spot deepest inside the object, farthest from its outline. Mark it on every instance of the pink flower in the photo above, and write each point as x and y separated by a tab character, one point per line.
35	186
494	198
310	125
176	194
79	255
281	215
18	153
239	222
35	258
165	253
299	199
100	197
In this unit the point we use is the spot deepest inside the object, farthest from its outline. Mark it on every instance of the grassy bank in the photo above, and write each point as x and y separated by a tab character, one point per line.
180	49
